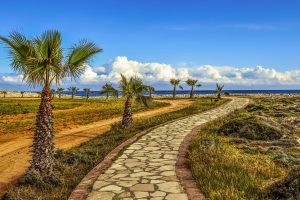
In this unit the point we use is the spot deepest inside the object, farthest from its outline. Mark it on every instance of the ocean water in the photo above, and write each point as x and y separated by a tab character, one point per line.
169	92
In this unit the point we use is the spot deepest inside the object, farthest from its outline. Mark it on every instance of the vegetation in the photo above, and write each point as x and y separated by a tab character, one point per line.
60	91
87	92
17	115
22	94
40	61
175	82
74	164
150	89
73	90
252	154
192	83
108	89
4	93
132	87
219	89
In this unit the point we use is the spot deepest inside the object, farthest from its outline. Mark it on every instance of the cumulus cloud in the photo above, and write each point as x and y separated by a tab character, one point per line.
153	73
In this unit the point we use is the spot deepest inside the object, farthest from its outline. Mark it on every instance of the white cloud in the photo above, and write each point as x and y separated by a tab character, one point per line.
153	73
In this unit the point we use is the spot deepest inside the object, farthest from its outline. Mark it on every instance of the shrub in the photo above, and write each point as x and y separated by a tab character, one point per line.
246	125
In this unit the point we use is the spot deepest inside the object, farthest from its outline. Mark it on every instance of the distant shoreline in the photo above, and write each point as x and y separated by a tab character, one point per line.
164	93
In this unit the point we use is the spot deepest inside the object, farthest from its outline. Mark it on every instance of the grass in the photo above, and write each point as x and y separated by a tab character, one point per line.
72	165
17	115
249	154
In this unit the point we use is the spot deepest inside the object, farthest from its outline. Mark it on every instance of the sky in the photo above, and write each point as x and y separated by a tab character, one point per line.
242	44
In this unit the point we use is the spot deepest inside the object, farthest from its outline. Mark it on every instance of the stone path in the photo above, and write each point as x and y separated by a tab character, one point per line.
146	169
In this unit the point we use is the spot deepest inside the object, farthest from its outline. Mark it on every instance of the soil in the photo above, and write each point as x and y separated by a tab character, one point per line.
15	148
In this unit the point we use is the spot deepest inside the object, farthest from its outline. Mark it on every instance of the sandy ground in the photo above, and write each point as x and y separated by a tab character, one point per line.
15	148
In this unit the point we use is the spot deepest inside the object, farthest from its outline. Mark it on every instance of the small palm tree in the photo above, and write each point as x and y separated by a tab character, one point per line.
60	91
41	61
22	94
4	93
131	88
73	90
175	82
87	92
150	89
53	93
192	83
219	89
109	89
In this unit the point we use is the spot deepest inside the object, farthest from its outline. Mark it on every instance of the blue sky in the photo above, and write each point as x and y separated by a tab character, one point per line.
183	34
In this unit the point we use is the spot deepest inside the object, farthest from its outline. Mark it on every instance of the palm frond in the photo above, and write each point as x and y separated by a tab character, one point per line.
78	56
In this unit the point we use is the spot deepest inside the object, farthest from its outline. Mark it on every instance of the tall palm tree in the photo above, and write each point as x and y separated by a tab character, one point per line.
192	83
42	62
150	89
60	91
22	94
219	89
109	89
73	90
87	92
175	82
131	88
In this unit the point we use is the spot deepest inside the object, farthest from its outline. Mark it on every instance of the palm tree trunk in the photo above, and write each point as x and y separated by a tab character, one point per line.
107	95
192	92
174	91
59	95
87	96
42	148
127	115
150	94
219	95
72	95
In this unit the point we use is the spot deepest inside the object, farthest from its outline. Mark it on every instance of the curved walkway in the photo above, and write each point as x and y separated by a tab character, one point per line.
146	169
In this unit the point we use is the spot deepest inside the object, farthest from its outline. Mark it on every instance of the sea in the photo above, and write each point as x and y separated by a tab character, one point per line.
169	92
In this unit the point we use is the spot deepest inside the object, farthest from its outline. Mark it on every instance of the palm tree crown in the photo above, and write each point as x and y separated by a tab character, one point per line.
41	61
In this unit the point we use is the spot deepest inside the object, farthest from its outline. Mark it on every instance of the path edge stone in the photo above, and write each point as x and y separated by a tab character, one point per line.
182	168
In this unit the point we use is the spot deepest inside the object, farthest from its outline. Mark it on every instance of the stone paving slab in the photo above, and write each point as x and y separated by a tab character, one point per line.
146	169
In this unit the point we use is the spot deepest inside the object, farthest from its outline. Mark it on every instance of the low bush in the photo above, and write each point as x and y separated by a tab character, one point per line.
246	125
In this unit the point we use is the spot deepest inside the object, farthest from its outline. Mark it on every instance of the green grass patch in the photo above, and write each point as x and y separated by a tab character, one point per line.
18	115
225	172
72	165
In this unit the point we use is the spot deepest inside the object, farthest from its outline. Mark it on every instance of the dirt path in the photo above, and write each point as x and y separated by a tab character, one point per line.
14	148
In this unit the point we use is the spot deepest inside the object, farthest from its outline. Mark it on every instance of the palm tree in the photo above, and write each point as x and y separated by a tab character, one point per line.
4	93
60	91
87	92
219	89
192	83
131	88
109	89
42	62
175	82
22	94
150	89
53	93
73	90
